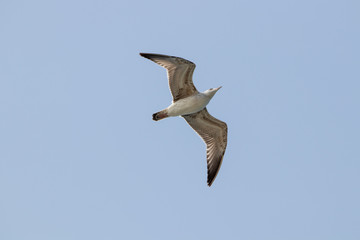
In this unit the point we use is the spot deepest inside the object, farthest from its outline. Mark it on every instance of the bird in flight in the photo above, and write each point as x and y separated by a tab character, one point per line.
191	105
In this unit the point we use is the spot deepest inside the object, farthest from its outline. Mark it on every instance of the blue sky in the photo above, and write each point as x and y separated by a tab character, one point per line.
80	157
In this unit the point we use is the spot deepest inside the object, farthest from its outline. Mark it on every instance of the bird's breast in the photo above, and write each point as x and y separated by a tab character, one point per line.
188	105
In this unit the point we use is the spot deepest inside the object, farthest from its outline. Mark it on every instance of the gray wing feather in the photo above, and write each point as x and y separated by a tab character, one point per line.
179	72
214	134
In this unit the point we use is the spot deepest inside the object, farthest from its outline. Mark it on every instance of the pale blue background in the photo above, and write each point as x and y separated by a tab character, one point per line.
81	158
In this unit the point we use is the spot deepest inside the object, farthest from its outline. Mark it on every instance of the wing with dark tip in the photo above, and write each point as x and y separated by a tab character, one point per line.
179	72
214	134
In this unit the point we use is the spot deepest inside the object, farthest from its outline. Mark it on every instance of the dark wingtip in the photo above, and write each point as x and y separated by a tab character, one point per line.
211	176
210	181
147	55
143	54
153	55
213	171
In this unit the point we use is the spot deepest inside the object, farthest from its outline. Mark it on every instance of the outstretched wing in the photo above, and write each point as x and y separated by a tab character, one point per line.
214	134
179	72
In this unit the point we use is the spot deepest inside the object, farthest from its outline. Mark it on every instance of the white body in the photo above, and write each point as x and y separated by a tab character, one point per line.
191	104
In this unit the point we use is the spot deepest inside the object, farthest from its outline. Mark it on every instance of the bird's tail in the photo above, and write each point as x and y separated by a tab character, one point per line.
160	115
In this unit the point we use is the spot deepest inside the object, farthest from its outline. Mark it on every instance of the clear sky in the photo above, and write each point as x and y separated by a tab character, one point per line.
80	157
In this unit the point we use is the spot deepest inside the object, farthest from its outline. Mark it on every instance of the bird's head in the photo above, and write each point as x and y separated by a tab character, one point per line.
211	92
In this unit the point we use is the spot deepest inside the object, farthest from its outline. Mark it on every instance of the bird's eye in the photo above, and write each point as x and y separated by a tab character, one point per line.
210	89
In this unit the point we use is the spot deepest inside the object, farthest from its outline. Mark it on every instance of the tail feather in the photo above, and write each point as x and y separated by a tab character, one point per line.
159	115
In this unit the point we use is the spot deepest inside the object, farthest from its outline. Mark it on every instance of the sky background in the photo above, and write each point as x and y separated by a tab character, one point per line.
80	157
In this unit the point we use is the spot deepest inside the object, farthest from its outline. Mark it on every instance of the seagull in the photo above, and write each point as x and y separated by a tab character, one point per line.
191	105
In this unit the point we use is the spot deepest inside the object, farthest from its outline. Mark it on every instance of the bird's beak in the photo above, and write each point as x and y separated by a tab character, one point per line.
218	88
